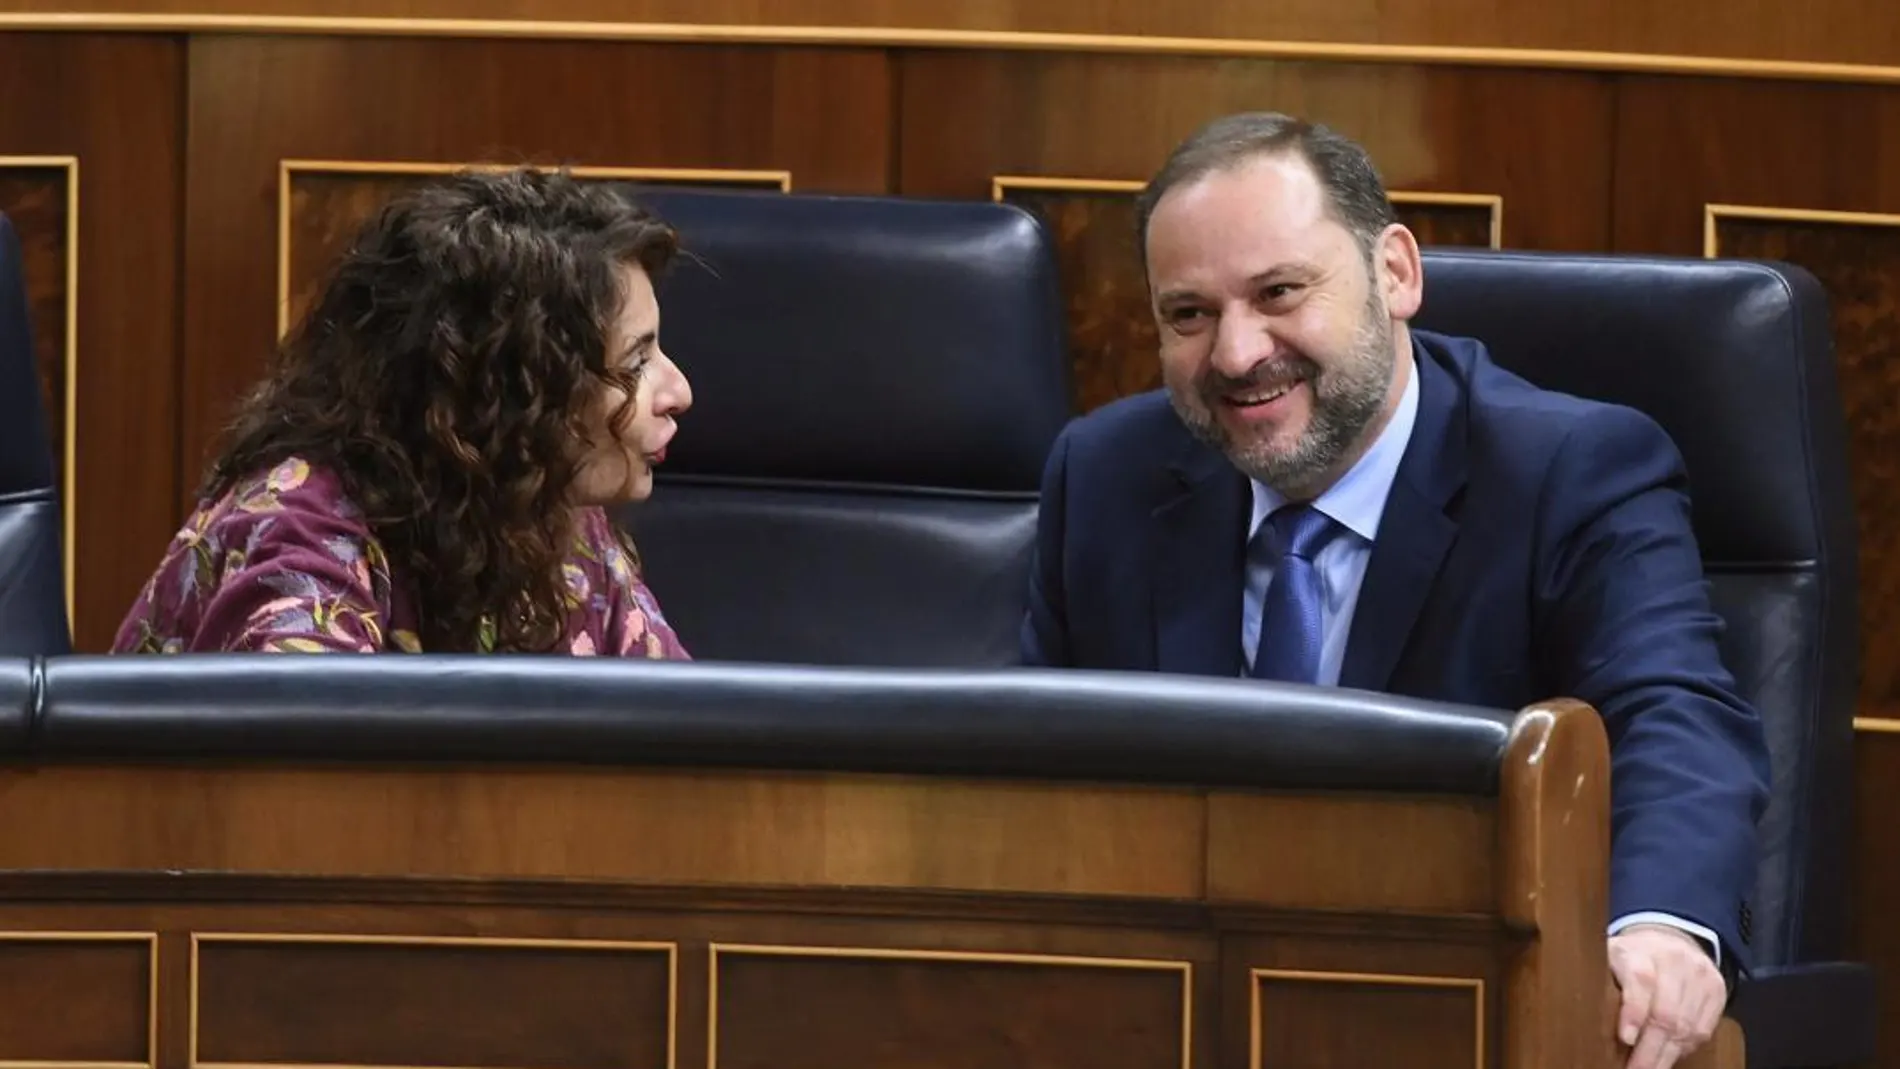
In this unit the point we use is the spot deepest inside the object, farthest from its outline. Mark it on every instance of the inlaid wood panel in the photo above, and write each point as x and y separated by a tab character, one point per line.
818	1008
1112	339
1857	259
365	1000
1298	1001
322	205
1473	220
1875	880
77	999
821	115
1309	1020
115	104
1684	143
1349	845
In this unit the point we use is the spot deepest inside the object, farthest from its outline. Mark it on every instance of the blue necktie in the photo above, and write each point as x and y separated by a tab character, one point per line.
1291	620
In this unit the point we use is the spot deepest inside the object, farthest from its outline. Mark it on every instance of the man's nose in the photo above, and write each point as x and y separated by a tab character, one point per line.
1242	342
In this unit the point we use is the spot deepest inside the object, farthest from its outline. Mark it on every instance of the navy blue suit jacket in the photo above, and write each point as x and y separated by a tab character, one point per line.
1534	545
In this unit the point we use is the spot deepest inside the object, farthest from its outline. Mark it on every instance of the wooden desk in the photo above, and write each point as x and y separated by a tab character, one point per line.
595	918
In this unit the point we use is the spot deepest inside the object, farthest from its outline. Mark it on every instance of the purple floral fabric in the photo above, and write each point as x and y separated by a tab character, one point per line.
284	563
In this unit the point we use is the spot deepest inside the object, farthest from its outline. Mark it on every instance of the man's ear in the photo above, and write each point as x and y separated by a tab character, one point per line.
1400	271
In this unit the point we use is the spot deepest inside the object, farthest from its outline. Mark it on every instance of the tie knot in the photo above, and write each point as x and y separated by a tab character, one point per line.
1297	531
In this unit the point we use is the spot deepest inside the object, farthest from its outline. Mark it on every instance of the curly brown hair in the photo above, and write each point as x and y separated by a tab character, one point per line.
444	375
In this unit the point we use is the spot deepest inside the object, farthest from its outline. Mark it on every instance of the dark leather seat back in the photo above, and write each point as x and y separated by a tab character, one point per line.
876	383
1735	360
32	586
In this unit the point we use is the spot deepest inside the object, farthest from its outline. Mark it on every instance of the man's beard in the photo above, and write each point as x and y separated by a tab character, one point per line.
1347	397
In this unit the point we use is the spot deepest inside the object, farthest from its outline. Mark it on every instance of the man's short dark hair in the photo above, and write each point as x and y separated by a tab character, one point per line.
1354	192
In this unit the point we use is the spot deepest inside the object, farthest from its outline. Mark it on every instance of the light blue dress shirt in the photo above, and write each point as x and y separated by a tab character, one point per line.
1355	504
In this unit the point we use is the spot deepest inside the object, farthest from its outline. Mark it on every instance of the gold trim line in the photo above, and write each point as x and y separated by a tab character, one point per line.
1068	961
1713	214
150	941
198	939
1000	40
1254	976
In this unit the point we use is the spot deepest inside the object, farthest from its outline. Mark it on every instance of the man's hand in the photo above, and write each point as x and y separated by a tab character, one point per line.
1672	994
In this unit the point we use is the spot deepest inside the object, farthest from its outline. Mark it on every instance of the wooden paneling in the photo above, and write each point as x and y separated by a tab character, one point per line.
114	103
1876	879
1351	844
1112	340
793	830
536	1004
321	206
814	1008
1842	31
78	998
1535	139
1303	1003
1307	1019
1683	143
822	115
1474	220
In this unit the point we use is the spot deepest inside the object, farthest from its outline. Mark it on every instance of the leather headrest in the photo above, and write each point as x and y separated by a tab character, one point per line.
863	340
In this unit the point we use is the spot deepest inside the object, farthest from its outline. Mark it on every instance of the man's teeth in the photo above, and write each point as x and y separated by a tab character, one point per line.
1261	397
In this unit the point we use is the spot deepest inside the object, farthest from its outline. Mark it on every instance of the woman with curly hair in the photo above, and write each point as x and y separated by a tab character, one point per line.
426	463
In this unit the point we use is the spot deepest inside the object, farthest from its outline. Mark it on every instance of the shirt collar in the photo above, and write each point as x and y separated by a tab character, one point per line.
1357	501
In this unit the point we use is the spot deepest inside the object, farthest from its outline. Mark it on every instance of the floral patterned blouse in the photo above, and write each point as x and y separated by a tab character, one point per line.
284	563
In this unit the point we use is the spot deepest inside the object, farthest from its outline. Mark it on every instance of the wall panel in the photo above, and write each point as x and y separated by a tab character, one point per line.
257	101
1536	139
288	1000
864	1006
114	104
1838	31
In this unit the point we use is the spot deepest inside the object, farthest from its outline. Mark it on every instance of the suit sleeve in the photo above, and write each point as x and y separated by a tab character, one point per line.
1625	623
1045	636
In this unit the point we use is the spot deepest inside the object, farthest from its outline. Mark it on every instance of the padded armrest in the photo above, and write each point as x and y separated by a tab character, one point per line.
1046	724
1812	1015
19	697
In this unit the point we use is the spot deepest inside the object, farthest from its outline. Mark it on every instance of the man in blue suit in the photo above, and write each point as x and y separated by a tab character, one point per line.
1323	495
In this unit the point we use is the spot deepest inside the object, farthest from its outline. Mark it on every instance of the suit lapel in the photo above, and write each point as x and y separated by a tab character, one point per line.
1200	546
1415	532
